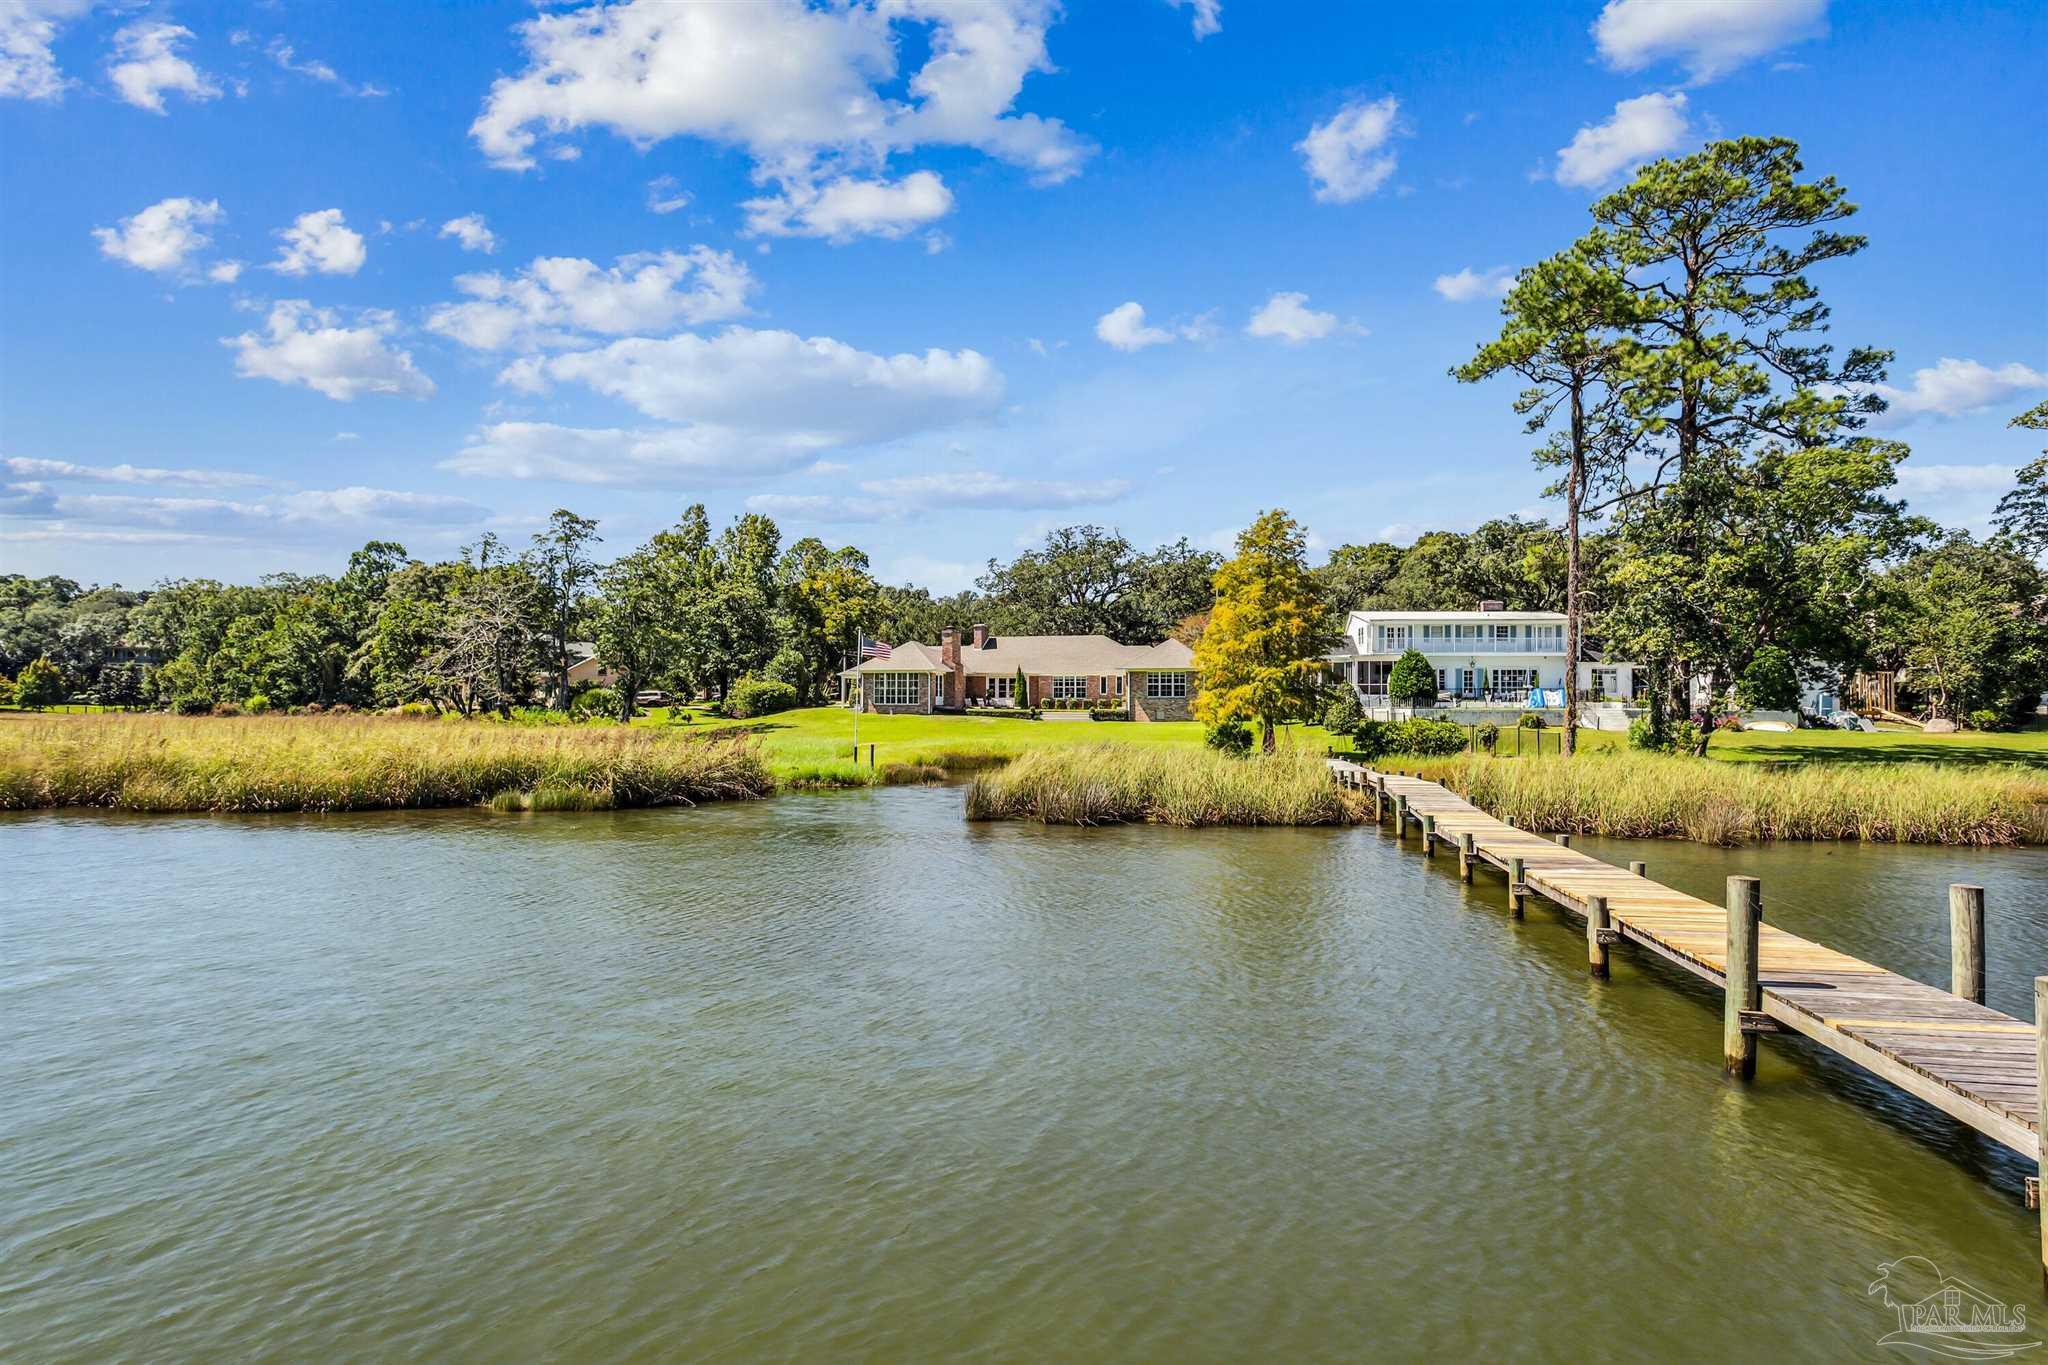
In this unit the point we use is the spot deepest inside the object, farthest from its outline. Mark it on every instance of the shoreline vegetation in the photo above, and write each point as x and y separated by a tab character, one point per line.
1102	784
161	763
1635	795
153	762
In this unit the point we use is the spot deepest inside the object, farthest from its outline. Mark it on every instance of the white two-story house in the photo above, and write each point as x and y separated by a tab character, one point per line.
1488	657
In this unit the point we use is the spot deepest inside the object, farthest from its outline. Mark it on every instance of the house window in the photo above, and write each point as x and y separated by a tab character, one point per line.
1119	684
898	689
1503	632
1166	684
1606	682
1513	679
1394	637
1002	689
1068	689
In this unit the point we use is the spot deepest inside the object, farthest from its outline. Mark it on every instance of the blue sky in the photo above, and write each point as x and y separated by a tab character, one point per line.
927	278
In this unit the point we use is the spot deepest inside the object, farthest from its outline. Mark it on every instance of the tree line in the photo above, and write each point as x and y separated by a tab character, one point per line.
692	611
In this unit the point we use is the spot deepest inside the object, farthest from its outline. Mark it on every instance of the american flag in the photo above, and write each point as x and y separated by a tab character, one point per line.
873	649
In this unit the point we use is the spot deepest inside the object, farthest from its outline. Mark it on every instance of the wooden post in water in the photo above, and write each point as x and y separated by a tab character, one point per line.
1597	929
1400	817
1465	850
1379	791
1515	891
1742	995
2041	1115
1966	941
1639	868
1564	841
1429	836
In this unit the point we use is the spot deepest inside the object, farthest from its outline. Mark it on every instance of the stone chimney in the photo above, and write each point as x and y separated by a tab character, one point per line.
949	655
980	635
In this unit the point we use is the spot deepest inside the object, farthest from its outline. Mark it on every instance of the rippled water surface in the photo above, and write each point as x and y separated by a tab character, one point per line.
845	1078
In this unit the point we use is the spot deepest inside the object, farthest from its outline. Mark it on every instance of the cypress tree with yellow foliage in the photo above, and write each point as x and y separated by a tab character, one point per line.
1261	656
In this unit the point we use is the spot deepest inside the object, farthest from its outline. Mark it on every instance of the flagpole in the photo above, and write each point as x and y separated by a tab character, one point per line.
858	659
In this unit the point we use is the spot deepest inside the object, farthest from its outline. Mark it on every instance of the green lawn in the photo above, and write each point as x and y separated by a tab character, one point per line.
2028	747
815	745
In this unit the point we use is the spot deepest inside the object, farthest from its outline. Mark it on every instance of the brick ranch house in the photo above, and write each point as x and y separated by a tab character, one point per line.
1154	682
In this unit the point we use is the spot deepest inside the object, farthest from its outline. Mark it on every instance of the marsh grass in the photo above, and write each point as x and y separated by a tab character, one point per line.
334	763
1117	783
1649	796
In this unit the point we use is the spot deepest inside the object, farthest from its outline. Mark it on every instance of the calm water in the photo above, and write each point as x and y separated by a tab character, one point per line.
843	1078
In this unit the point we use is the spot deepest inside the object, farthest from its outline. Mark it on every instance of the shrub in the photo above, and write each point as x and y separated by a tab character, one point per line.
1985	719
1342	711
1412	679
759	697
191	706
1369	739
1487	736
226	708
415	708
257	704
1531	721
340	708
596	703
1233	738
1641	735
40	685
1429	738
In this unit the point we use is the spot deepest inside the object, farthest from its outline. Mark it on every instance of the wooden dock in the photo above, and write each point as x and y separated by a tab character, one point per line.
1976	1065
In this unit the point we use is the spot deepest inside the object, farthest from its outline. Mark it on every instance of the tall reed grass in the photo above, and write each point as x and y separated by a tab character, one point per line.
1100	784
1641	795
335	763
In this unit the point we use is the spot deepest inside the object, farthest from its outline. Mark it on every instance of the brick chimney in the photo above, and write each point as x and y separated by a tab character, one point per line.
1490	604
980	635
949	655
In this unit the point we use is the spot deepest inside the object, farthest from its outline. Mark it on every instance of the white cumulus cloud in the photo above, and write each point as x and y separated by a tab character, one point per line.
1953	388
797	87
1349	156
1709	38
1639	129
145	64
1124	328
556	300
301	344
28	69
1469	284
321	242
163	237
745	402
1287	317
472	232
847	207
20	467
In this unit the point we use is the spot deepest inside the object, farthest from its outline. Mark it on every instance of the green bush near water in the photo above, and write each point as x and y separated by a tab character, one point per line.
753	697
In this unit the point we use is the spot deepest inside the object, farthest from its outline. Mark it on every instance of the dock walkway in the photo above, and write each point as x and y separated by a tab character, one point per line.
1973	1063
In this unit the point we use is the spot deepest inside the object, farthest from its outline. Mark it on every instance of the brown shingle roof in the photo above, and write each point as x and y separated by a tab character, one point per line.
1038	655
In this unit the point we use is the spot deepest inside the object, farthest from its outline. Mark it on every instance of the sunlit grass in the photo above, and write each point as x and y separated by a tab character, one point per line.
330	763
1110	783
1640	795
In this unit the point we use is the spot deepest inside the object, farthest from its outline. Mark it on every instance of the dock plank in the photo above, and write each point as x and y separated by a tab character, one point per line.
1973	1063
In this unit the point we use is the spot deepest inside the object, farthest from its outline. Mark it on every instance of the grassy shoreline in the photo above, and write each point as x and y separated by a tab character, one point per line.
168	764
1653	796
1110	784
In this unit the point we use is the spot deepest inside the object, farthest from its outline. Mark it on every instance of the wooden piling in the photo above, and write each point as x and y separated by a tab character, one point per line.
1966	941
1400	817
1467	847
1741	994
1598	931
1639	868
2041	1115
1516	890
1429	836
1564	841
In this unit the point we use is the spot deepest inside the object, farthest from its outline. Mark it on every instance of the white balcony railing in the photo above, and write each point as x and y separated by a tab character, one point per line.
1455	647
